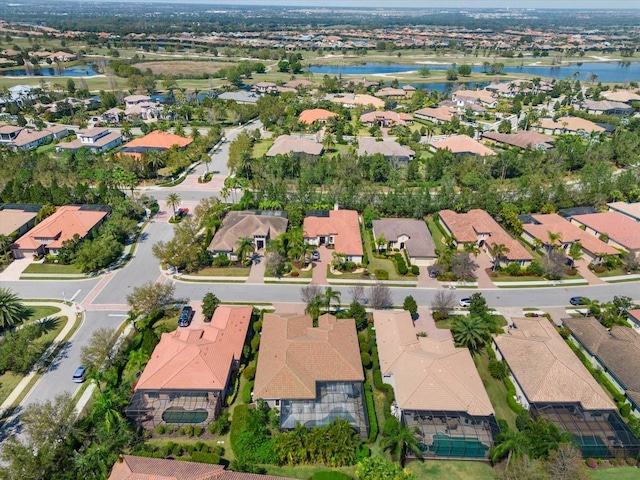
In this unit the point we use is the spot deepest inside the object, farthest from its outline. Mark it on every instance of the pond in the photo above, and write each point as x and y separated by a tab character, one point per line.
612	72
75	71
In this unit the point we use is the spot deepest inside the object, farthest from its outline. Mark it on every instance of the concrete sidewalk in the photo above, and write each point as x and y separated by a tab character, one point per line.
65	310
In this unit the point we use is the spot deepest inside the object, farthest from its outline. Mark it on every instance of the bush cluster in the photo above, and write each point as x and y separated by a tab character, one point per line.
400	264
371	410
381	274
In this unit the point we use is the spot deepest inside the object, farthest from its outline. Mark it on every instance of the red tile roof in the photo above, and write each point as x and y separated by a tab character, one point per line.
343	224
468	227
462	144
315	114
156	140
198	358
62	225
294	355
617	226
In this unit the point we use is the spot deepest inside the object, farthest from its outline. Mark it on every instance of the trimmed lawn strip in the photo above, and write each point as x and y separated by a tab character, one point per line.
346	275
436	233
223	272
495	389
615	473
452	470
305	471
261	148
51	268
301	274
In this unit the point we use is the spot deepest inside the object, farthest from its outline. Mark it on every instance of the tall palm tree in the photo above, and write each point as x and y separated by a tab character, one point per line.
471	248
244	246
499	251
470	332
329	295
106	407
400	440
12	311
510	443
314	306
173	201
329	142
553	239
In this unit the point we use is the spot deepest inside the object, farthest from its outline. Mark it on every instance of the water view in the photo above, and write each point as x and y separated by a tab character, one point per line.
76	71
606	72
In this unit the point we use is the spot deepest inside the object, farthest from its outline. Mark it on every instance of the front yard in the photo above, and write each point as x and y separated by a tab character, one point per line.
223	272
52	268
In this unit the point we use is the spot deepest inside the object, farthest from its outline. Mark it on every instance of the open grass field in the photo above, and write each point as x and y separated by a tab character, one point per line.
183	67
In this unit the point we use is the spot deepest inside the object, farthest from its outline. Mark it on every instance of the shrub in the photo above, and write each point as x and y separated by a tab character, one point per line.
181	431
362	452
381	274
511	392
632	462
411	305
221	260
176	450
591	463
365	347
366	359
498	369
371	410
246	392
249	372
220	425
295	274
160	429
625	410
188	430
513	269
535	269
202	457
197	430
400	264
415	270
330	476
255	343
257	326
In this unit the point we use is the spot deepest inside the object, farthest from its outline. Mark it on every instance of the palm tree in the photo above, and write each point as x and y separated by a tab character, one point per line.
173	201
553	239
329	142
244	246
314	306
470	332
471	248
400	440
510	443
329	295
499	251
12	311
106	408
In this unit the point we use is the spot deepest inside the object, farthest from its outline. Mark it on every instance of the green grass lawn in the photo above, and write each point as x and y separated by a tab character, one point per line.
261	147
223	272
436	233
495	389
41	311
301	274
616	473
51	268
612	273
452	470
346	275
382	263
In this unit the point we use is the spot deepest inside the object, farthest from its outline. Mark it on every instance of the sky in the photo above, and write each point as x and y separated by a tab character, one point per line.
577	4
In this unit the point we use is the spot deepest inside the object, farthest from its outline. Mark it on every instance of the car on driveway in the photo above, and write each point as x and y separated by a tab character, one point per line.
186	315
464	302
432	272
577	301
315	256
80	375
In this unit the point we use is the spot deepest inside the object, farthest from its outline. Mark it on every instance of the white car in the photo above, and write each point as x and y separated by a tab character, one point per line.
464	302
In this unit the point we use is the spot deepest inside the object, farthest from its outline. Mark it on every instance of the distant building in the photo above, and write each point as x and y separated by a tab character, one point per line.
286	144
522	139
155	141
313	115
462	145
95	139
27	138
390	149
16	220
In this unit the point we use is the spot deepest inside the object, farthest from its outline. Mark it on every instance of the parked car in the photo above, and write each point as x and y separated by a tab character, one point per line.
432	272
315	256
465	302
579	301
80	375
186	315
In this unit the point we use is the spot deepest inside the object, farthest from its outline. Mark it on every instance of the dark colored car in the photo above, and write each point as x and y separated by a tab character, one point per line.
579	301
185	316
80	375
432	272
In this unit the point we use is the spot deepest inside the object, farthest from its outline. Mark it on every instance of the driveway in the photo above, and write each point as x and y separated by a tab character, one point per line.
320	266
425	323
484	262
582	266
258	267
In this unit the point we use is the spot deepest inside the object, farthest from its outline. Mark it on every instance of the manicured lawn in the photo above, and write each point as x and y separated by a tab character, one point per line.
224	272
618	272
52	268
346	275
261	147
495	389
41	311
616	473
305	471
436	233
382	263
301	274
452	470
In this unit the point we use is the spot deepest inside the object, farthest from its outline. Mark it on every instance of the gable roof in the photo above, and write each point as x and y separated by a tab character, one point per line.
569	233
444	114
618	350
315	114
617	226
556	375
237	225
570	124
522	139
420	243
343	224
388	148
62	225
294	355
461	145
467	227
142	468
198	357
286	144
629	209
428	374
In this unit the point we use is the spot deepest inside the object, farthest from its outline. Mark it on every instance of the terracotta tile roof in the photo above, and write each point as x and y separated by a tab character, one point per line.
388	117
522	139
556	375
294	355
298	83
420	243
286	144
314	115
617	226
468	227
198	358
462	144
11	220
569	233
8	129
237	225
359	99
618	350
158	140
629	209
343	224
388	148
62	225
483	96
142	468
428	374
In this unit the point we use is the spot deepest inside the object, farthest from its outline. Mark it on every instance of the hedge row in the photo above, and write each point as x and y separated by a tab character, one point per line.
380	385
246	392
371	409
400	264
511	393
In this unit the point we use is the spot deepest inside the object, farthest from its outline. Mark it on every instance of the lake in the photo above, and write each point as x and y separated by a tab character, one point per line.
76	71
611	72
